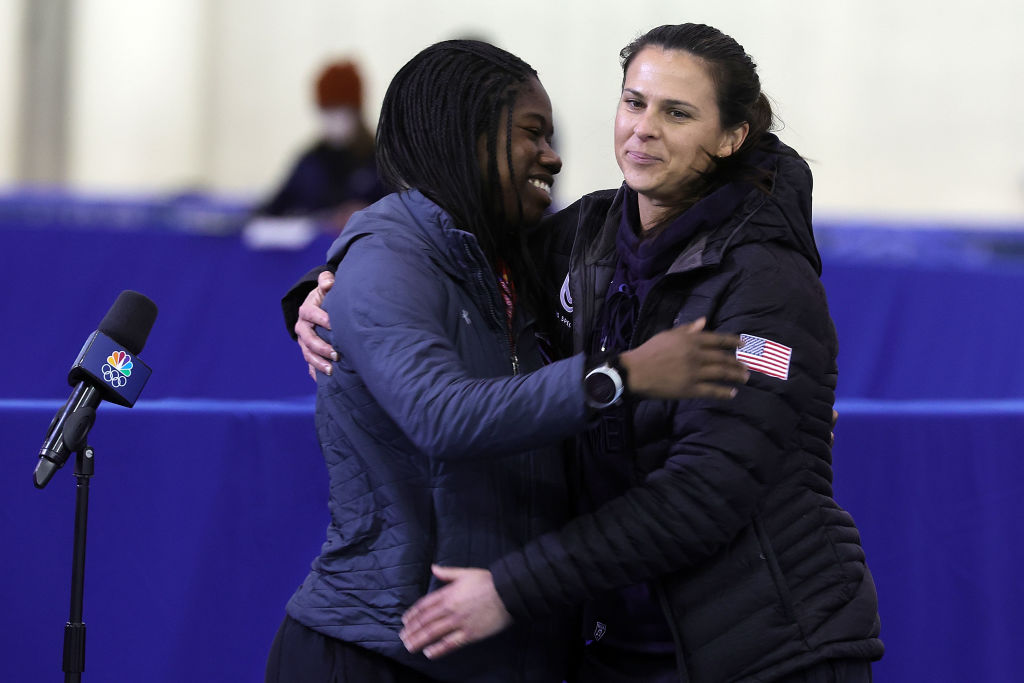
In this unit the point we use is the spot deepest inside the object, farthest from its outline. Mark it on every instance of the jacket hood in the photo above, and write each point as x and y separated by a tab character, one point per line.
411	219
782	216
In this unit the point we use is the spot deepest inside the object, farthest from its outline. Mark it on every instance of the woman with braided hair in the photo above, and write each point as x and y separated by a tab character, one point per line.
708	546
439	420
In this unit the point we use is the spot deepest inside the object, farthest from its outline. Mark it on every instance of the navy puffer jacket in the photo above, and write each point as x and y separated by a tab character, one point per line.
436	453
730	513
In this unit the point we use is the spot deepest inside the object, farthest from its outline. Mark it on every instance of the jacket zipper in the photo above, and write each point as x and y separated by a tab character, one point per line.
659	587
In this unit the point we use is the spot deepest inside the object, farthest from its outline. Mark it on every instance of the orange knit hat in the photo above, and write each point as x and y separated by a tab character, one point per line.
339	85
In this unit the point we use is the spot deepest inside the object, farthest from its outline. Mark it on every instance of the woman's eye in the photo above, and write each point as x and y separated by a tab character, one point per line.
634	104
677	114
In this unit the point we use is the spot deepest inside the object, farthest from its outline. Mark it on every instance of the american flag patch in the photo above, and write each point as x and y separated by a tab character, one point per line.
764	355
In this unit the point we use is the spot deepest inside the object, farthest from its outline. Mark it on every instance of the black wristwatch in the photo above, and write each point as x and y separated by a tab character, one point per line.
605	385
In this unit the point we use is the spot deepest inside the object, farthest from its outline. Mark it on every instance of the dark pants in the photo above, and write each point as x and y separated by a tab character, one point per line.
610	665
302	655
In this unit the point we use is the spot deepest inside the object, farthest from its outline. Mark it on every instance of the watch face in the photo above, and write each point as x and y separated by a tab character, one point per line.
600	388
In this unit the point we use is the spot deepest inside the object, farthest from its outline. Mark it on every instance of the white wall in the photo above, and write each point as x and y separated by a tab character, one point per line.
907	109
137	97
10	64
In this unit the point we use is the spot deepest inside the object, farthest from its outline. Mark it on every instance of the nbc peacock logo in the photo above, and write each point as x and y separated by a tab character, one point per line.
117	369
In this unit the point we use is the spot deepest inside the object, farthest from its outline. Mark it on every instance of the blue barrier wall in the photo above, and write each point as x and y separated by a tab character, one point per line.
209	498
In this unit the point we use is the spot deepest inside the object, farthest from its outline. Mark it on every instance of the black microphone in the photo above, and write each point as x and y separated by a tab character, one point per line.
107	369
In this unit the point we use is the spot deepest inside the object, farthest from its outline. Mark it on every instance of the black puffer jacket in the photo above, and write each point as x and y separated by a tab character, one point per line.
731	515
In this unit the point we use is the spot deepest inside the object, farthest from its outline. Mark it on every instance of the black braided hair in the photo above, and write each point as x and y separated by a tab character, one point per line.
439	108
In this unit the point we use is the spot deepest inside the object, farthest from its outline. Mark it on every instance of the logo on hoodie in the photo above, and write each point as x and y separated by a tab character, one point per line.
564	297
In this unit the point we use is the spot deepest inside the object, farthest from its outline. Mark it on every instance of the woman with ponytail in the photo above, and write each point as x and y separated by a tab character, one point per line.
439	421
708	546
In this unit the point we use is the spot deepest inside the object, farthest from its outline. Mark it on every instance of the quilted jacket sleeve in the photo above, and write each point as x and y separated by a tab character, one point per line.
720	460
388	316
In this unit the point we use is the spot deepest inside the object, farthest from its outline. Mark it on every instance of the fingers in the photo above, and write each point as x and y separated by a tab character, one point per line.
315	350
434	623
311	313
715	373
317	353
432	605
434	639
718	340
324	281
426	629
709	340
448	574
427	622
452	641
715	391
426	609
716	368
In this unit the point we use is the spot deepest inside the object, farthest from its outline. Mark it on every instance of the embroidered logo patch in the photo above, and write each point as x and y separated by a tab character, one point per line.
764	356
599	630
564	296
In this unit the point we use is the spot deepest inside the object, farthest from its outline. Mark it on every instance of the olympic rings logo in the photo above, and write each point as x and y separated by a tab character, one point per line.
113	376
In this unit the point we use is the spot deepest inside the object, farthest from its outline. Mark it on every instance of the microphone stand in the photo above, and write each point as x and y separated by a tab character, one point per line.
74	629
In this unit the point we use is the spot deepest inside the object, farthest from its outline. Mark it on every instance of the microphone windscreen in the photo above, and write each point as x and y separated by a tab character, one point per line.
129	320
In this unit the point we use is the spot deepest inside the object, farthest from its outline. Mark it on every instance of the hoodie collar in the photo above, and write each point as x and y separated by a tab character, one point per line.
412	216
744	215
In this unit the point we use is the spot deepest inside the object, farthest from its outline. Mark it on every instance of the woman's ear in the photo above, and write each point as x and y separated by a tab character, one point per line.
733	139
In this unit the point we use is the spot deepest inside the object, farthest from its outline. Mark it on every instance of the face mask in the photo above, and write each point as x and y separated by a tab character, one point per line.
339	126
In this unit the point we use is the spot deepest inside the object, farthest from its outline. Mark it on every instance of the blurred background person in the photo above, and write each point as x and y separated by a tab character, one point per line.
334	177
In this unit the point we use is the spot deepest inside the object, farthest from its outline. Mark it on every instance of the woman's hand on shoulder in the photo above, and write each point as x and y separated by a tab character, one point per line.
685	362
316	351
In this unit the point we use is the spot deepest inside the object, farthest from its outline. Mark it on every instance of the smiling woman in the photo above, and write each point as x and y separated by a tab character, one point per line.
438	449
707	546
527	178
668	130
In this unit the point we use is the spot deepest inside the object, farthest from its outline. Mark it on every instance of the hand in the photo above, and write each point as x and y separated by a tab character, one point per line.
832	434
685	362
468	609
316	351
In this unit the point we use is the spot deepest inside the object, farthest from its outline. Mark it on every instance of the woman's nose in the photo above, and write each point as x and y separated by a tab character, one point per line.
549	158
644	126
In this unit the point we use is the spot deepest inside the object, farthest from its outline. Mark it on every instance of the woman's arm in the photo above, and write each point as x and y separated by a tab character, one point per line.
685	363
723	459
389	321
